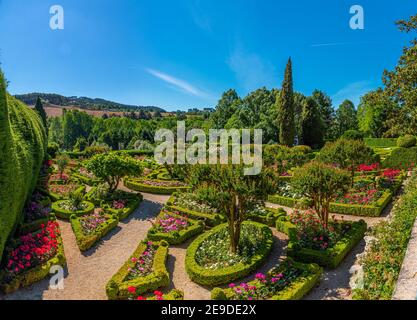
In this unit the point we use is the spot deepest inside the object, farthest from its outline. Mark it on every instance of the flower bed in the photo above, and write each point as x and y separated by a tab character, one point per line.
209	218
84	176
174	228
120	202
158	295
329	255
151	257
38	207
290	280
90	228
63	209
31	258
209	262
155	186
62	191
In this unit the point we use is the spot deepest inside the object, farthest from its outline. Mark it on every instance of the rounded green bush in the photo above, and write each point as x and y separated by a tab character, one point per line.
225	275
66	214
406	141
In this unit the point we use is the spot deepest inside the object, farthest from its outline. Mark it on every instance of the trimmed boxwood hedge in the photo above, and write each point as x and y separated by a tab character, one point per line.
210	277
86	241
117	287
329	258
66	214
22	150
269	219
209	219
177	237
380	142
401	158
35	274
296	290
58	197
135	184
373	210
86	180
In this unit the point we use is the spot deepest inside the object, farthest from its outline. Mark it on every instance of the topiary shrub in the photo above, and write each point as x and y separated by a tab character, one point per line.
22	150
406	141
353	135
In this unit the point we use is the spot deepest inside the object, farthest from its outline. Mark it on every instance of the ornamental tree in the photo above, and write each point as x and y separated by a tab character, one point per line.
41	111
286	108
112	167
62	162
321	183
236	192
347	154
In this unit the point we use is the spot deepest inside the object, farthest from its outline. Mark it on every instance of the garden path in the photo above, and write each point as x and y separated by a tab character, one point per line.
86	274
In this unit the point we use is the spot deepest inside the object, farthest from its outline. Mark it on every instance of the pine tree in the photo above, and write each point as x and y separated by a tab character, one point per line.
286	109
41	111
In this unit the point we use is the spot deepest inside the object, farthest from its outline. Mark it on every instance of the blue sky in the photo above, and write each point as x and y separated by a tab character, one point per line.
185	53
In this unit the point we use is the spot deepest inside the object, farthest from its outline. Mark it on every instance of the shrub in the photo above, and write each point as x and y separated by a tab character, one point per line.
381	142
112	167
320	183
60	209
406	141
219	276
353	135
22	150
52	149
382	261
401	158
137	185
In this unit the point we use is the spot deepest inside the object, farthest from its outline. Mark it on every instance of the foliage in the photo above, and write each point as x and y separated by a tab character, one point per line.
346	119
406	141
41	111
111	167
286	108
347	154
382	261
401	158
325	110
353	135
312	126
320	183
237	193
62	162
22	150
212	277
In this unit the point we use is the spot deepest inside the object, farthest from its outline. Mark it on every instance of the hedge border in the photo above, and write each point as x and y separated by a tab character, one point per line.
37	273
86	180
209	277
270	219
329	258
56	197
374	210
137	186
296	290
194	229
117	287
210	219
66	214
84	241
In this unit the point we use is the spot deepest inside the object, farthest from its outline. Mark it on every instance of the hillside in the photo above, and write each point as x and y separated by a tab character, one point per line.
83	102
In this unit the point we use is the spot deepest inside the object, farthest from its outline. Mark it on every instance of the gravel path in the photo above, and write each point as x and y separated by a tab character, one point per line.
87	273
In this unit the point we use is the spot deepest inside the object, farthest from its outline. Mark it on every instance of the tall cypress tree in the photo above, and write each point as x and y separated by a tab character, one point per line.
286	109
41	111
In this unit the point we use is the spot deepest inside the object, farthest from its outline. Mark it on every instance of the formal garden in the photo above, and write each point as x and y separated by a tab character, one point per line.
87	212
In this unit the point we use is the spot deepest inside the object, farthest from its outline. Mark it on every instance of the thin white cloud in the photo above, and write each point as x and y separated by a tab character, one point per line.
353	92
178	83
250	70
199	18
333	44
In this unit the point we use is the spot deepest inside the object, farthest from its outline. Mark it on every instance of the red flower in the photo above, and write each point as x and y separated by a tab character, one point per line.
131	289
